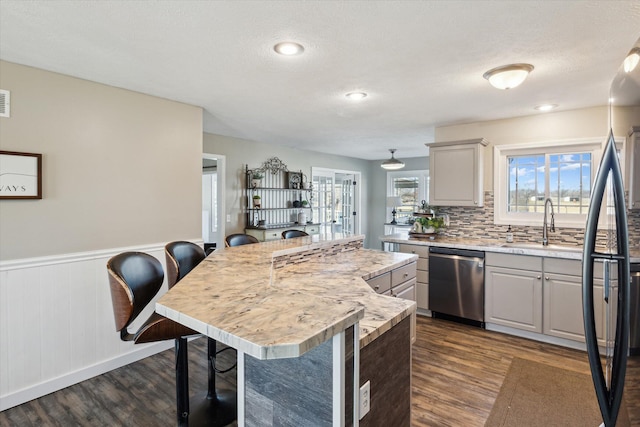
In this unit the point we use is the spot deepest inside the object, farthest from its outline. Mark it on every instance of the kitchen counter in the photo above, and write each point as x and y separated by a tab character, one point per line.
236	297
500	246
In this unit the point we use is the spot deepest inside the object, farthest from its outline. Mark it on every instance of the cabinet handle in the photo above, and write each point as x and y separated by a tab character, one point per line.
546	277
539	277
406	274
475	202
376	288
413	252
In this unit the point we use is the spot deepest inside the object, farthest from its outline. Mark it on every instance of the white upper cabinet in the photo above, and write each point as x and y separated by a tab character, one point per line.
456	171
634	174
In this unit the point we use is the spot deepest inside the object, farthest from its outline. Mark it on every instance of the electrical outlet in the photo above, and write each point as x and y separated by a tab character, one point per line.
228	218
365	399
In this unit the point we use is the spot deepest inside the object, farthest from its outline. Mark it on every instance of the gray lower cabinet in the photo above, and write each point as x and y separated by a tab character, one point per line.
422	274
542	295
513	291
563	300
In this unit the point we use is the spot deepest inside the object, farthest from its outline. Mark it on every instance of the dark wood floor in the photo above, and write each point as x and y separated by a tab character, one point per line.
457	374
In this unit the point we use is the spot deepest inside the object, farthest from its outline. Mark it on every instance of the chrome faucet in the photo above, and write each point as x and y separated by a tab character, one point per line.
545	228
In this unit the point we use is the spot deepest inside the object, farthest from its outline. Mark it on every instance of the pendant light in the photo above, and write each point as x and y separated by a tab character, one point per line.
392	163
508	76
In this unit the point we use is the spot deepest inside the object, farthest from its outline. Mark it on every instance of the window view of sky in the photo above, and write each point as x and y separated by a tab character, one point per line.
569	182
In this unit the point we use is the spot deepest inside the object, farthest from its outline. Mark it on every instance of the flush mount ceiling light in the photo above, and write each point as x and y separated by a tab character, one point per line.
546	107
356	96
289	48
392	163
632	59
508	76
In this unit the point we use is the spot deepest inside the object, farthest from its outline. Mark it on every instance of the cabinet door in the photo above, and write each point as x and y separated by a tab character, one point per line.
513	298
406	291
563	307
456	175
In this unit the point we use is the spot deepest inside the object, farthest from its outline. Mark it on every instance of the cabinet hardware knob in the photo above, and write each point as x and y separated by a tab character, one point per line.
539	277
546	277
406	274
377	287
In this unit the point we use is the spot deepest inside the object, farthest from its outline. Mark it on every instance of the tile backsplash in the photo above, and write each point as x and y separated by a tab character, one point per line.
478	223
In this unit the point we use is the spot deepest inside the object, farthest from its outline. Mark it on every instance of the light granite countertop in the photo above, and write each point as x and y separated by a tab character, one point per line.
235	296
487	245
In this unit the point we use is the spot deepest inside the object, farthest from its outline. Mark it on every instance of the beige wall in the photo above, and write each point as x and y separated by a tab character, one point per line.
119	168
575	124
240	152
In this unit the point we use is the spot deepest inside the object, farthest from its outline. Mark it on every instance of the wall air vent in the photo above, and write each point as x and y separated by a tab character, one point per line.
5	103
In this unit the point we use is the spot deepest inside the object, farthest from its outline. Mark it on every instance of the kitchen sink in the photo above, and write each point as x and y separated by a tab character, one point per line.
539	246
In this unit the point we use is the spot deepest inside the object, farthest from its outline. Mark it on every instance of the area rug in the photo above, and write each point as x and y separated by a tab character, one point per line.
534	394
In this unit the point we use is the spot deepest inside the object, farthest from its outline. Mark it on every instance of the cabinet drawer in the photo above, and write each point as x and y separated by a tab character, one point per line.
421	251
422	276
520	262
572	267
402	274
272	235
312	229
423	264
380	283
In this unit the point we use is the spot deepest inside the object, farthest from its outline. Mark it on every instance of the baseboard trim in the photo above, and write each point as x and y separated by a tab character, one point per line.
41	389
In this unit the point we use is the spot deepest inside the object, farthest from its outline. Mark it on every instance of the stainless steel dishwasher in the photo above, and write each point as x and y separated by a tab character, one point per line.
456	284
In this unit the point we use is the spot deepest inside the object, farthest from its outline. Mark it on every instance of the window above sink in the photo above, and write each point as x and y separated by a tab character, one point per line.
525	175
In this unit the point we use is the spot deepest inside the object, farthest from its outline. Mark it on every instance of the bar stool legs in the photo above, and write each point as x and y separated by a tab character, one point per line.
218	407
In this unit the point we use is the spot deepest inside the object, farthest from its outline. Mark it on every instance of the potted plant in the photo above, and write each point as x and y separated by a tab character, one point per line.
256	177
305	203
256	201
431	225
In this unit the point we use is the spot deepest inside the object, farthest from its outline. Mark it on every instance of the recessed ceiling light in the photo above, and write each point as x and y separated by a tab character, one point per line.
508	76
546	107
289	48
356	96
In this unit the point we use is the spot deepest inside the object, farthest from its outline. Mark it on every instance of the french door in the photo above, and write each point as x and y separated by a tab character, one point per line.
336	200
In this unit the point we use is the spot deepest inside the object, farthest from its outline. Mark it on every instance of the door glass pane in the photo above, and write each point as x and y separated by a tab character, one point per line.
322	203
344	203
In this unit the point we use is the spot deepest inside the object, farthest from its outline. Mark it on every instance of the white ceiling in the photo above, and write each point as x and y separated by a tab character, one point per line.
421	62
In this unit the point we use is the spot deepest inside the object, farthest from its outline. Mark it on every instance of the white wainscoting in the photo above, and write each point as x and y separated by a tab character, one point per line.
57	326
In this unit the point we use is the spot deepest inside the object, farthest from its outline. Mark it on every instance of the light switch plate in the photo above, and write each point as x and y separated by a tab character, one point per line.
365	399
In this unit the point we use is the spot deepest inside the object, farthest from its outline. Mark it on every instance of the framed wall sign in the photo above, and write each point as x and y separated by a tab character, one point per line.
20	175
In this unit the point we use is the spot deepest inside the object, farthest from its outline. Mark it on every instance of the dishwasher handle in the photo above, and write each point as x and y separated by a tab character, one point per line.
467	253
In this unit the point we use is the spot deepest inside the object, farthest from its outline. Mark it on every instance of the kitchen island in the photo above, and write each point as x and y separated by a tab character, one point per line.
307	326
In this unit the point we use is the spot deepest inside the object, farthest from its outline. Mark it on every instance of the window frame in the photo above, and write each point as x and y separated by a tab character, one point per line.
501	176
423	184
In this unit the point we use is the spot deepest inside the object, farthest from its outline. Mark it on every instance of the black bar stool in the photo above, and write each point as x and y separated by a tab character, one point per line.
135	278
219	406
290	234
239	239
